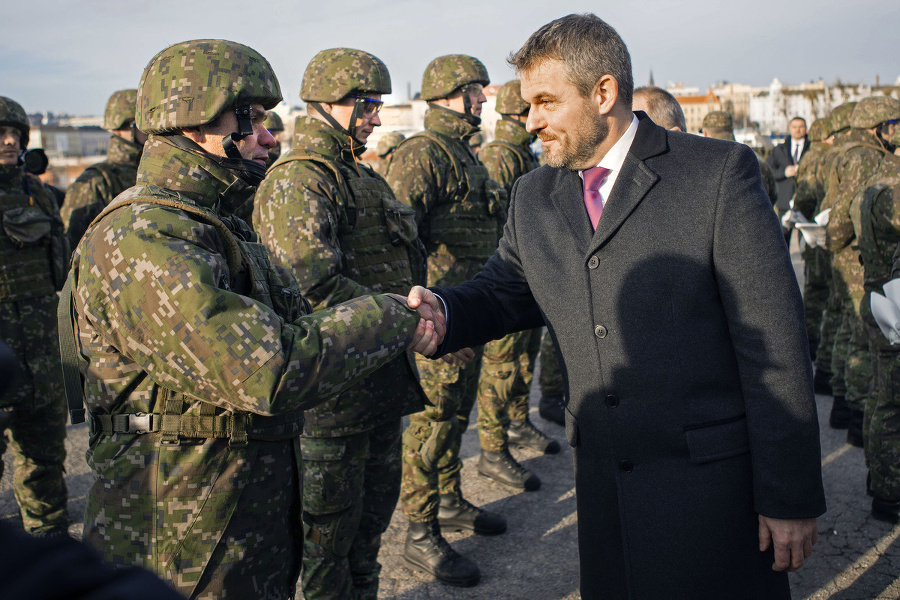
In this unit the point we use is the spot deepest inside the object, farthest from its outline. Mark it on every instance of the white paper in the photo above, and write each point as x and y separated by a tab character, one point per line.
813	233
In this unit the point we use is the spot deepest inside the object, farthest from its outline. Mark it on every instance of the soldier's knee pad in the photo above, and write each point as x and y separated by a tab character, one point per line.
425	443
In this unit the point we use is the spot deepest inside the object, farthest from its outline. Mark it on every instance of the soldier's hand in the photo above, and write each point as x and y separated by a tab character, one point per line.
425	341
430	308
459	357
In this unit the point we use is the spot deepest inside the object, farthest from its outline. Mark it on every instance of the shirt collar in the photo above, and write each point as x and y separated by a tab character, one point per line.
615	158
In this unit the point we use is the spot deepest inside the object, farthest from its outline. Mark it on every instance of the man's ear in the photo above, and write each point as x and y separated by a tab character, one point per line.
605	94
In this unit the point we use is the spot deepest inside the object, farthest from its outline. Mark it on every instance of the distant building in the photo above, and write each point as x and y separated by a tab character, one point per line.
696	106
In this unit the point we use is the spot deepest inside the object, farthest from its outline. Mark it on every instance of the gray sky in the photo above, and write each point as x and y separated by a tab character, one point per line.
67	56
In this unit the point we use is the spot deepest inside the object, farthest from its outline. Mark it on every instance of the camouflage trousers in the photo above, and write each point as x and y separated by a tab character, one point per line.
215	519
881	426
431	443
851	361
816	289
551	380
33	414
350	489
503	389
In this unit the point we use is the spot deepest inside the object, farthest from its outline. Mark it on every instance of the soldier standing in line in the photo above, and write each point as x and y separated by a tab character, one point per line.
808	194
552	405
198	355
276	127
719	124
335	224
34	255
508	363
855	161
878	232
385	149
96	187
458	210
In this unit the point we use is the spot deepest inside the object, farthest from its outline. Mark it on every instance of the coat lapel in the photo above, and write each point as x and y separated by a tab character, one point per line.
568	198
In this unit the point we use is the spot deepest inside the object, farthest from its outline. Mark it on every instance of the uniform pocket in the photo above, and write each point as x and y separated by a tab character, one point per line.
719	440
26	225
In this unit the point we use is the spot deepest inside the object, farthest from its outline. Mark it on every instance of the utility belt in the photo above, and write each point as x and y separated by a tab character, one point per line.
173	425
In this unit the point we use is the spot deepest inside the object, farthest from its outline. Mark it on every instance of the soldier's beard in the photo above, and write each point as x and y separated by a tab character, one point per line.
575	150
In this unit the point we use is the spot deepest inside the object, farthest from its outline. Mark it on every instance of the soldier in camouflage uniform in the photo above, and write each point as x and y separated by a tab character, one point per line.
336	225
719	124
385	149
198	356
458	210
878	234
33	255
276	127
552	405
855	161
808	193
508	363
96	187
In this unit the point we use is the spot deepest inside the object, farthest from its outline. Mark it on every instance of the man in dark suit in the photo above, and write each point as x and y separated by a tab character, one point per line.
784	159
671	296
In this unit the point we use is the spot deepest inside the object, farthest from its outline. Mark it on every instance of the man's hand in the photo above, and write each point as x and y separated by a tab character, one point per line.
793	540
791	170
425	340
460	357
432	326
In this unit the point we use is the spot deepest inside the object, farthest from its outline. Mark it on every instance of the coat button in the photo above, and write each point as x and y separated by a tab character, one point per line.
612	401
600	331
594	262
626	466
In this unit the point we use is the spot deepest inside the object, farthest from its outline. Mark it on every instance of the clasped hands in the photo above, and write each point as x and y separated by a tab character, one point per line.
432	326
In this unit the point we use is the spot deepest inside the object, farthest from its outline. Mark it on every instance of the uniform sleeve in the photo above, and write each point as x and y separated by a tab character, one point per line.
299	215
845	180
84	201
154	284
764	314
501	165
417	178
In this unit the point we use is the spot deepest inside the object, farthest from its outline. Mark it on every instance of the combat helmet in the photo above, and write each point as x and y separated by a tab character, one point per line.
13	115
388	142
273	122
192	83
718	124
873	111
839	119
446	74
336	73
818	130
120	110
509	99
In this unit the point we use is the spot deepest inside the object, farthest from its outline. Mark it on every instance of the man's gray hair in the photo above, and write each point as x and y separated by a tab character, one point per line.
588	48
662	107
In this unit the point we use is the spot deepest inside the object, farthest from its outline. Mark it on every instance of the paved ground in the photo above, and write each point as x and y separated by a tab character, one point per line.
857	558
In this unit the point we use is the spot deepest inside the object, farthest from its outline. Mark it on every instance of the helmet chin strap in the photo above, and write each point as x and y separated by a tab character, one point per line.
358	108
467	107
245	128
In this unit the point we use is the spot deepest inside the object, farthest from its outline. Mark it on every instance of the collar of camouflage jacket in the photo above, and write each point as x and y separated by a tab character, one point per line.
446	122
170	162
513	132
123	152
314	136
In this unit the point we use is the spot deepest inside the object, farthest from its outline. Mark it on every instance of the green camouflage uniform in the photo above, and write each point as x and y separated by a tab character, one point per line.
458	209
855	161
551	379
338	228
34	255
96	187
201	356
879	236
508	364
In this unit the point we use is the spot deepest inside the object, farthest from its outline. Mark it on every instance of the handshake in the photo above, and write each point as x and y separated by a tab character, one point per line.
432	326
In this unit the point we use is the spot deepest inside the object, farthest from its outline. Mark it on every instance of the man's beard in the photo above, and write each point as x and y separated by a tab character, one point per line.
574	152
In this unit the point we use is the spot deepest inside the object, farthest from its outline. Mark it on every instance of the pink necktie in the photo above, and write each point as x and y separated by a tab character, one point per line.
592	200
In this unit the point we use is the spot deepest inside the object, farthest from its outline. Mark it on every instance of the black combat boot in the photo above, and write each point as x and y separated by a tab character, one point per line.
840	413
426	549
553	409
523	434
855	428
503	468
458	513
886	510
822	382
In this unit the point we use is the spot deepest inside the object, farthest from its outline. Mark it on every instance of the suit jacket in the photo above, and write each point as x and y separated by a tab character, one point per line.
778	159
681	332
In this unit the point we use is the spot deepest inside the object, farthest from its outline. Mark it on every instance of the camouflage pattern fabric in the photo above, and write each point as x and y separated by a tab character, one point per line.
96	187
551	380
337	227
338	72
768	179
33	410
508	365
350	489
180	315
458	211
120	109
445	74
